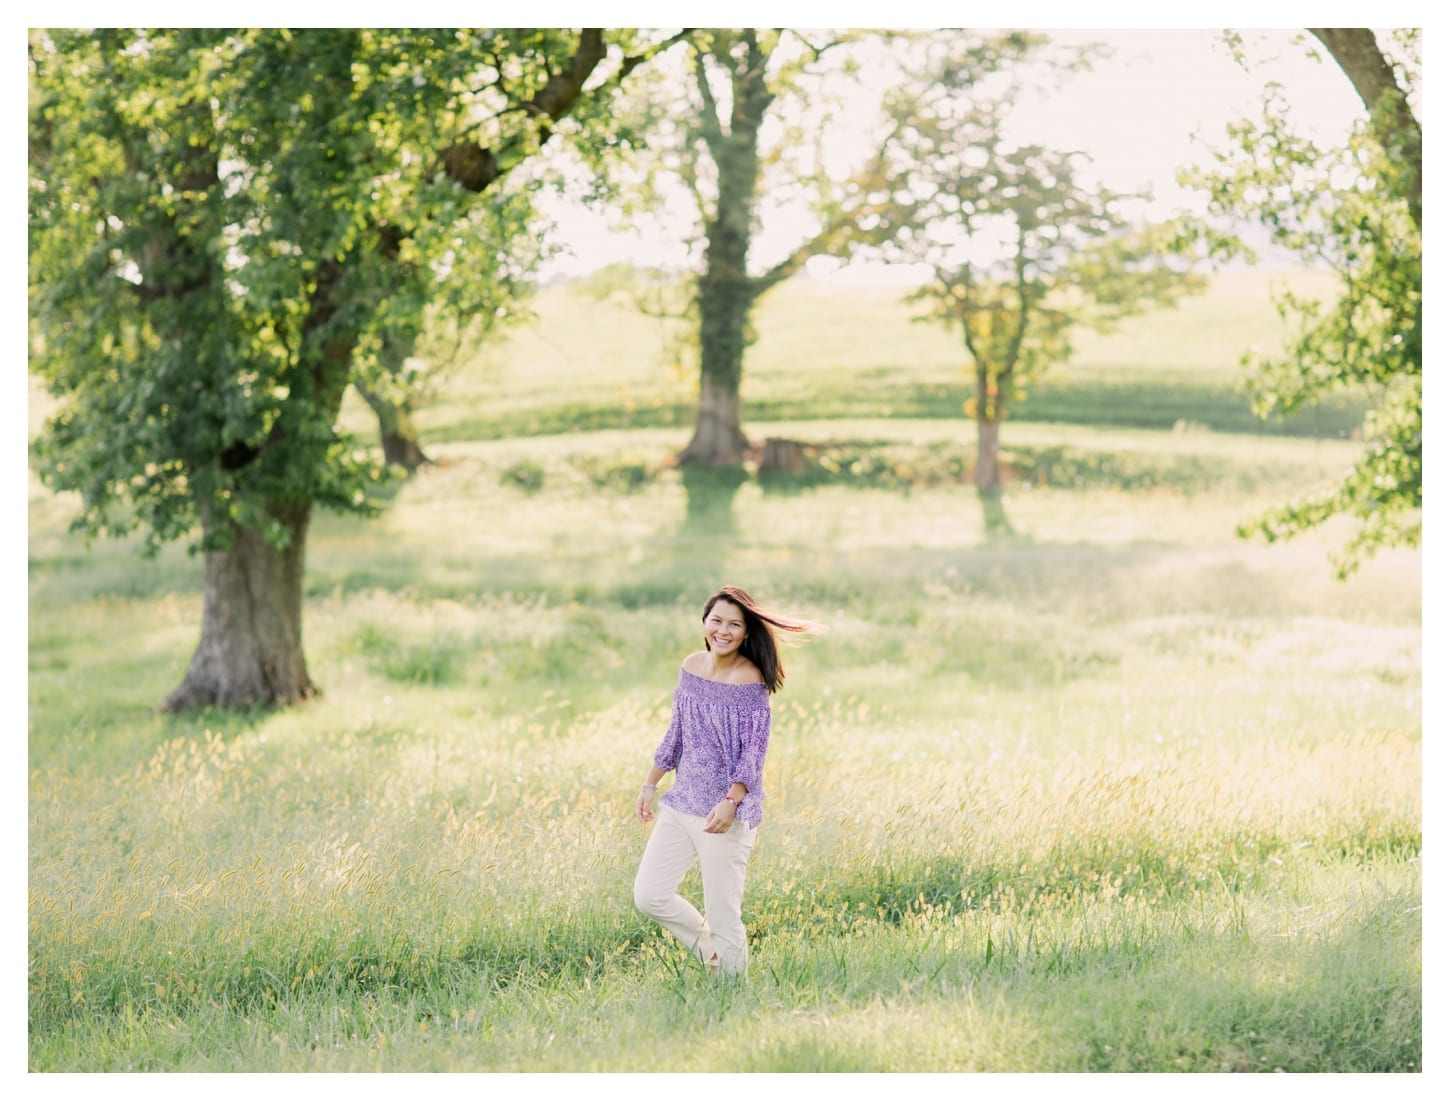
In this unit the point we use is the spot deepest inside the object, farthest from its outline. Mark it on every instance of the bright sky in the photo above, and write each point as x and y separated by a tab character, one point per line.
1135	114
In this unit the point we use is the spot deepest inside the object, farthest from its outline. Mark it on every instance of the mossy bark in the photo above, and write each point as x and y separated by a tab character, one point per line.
727	294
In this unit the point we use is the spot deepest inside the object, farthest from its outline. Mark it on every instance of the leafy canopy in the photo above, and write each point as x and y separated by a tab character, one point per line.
225	224
1346	208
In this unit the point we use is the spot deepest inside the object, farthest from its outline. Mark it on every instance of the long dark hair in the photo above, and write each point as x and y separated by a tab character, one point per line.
760	644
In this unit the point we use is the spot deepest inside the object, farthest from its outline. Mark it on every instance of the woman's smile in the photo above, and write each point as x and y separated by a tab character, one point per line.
724	628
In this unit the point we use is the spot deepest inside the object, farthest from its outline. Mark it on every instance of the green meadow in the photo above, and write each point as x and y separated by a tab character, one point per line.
1117	792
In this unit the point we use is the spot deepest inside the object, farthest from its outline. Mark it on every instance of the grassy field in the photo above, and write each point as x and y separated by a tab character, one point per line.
1118	793
829	352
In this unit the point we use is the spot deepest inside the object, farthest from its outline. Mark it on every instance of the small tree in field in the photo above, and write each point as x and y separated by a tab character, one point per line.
1022	253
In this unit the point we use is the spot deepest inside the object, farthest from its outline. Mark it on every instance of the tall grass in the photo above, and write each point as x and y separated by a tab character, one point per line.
1121	793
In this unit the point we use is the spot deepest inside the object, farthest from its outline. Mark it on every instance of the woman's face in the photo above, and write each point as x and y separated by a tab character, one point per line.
724	628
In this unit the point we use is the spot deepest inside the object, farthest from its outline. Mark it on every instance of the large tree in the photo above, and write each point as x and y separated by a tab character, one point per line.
1021	249
1353	208
223	225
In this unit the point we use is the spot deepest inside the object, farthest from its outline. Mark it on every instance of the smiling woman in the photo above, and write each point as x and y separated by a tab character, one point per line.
718	733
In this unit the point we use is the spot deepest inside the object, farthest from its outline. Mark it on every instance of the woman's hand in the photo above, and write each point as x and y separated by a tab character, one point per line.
721	817
643	804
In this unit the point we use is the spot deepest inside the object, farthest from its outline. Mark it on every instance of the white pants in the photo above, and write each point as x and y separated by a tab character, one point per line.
675	844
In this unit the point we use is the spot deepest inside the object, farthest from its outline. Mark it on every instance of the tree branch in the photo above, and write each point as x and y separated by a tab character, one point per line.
475	167
710	116
1024	309
949	279
817	52
634	61
818	245
1358	55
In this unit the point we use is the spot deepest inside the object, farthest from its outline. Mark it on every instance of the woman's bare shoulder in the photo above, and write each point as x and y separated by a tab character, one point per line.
694	663
746	673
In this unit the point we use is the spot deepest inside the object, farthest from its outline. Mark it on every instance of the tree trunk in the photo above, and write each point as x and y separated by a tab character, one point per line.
400	447
718	440
251	623
726	292
1357	53
988	414
396	431
988	473
725	301
250	652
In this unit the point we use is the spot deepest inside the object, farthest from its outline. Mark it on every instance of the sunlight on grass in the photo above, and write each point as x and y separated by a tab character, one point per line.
1119	792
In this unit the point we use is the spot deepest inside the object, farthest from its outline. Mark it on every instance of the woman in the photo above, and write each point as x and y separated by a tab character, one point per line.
715	745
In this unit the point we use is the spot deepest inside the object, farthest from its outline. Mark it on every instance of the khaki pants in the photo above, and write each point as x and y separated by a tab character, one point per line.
676	842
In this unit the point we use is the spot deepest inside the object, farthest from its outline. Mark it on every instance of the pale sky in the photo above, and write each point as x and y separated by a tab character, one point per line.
1135	115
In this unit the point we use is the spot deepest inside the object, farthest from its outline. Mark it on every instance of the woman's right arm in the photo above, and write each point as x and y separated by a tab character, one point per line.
666	757
643	805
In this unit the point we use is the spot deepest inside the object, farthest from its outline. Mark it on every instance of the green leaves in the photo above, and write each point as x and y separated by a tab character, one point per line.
227	227
1352	209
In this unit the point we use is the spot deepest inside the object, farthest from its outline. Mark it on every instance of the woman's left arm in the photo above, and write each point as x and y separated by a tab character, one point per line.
745	775
755	739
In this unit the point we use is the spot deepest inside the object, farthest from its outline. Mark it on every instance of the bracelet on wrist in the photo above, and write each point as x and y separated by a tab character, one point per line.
649	787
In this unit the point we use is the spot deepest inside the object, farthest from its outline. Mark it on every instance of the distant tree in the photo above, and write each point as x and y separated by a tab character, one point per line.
1022	253
730	145
402	368
1354	208
224	227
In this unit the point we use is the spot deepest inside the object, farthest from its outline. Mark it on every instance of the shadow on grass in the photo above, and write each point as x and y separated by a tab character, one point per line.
710	493
1120	398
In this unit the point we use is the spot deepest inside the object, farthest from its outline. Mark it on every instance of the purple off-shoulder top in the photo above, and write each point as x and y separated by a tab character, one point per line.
717	736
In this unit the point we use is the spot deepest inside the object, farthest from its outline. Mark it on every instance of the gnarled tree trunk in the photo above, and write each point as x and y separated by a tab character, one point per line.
725	300
251	623
251	618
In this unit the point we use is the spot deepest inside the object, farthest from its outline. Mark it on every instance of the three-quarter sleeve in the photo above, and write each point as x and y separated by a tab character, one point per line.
754	739
667	756
717	735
